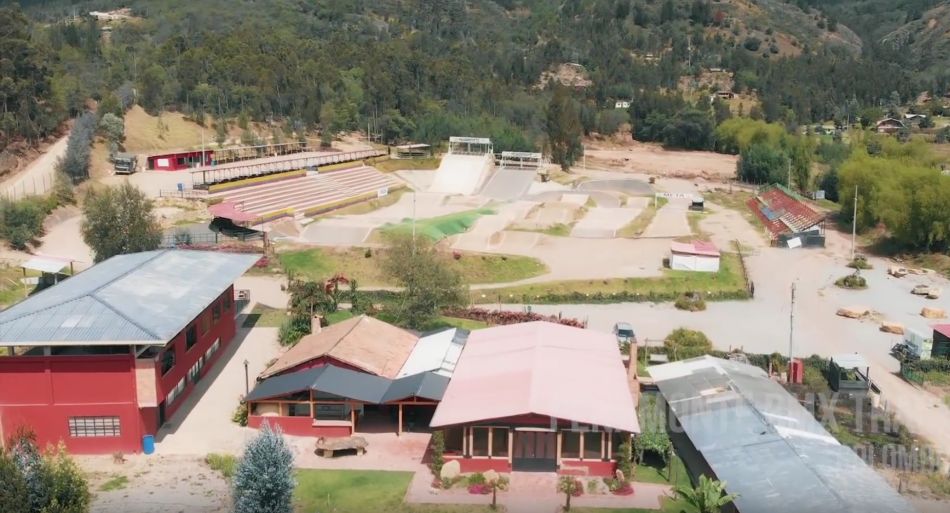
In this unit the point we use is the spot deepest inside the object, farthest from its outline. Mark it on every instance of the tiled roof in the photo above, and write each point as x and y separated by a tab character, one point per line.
781	212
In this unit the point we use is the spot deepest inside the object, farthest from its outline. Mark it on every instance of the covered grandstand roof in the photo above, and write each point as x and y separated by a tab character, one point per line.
782	211
135	299
539	368
362	342
765	446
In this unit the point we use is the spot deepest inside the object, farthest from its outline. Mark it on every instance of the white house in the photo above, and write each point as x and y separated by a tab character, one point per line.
694	256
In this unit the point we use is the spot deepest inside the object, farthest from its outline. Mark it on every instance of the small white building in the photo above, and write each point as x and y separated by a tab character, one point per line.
622	104
697	255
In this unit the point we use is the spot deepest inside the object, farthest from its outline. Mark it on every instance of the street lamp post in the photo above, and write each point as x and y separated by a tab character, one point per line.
247	381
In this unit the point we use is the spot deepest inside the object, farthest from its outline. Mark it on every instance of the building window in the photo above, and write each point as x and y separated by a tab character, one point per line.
191	336
479	441
213	349
227	300
179	388
93	427
205	323
168	360
592	445
570	444
298	410
617	438
216	312
195	369
499	443
454	440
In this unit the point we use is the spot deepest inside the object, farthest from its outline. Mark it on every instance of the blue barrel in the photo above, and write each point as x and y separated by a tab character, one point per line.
148	444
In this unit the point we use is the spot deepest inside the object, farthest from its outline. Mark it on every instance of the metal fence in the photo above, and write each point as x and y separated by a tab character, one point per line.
171	240
195	194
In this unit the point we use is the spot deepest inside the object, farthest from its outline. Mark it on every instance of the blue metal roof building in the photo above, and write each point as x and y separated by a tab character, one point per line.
752	434
135	299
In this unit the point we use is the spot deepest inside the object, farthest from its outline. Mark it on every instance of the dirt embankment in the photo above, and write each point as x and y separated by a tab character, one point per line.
653	159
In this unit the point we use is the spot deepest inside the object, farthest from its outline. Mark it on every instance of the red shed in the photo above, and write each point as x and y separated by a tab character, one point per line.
180	160
103	358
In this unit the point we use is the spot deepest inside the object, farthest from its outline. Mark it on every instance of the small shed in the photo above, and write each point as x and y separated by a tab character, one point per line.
941	341
412	151
694	256
849	373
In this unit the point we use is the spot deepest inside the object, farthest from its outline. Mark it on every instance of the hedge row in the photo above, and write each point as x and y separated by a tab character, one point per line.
623	297
932	364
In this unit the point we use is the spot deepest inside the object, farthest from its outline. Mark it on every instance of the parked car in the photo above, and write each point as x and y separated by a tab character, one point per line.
624	332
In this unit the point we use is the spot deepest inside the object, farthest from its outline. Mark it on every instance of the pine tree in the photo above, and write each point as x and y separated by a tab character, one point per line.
564	128
264	480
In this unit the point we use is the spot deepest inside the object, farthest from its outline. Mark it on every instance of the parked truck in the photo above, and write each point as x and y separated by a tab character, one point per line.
125	163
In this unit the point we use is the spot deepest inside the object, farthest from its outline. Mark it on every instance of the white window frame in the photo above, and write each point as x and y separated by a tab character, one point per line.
105	426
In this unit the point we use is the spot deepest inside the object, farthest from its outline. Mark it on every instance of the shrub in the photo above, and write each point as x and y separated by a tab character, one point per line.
368	253
21	222
438	452
592	487
852	281
240	414
292	330
860	262
479	489
500	317
683	344
475	479
263	481
692	302
224	464
752	43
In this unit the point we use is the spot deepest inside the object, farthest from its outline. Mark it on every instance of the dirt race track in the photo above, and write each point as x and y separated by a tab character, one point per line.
654	160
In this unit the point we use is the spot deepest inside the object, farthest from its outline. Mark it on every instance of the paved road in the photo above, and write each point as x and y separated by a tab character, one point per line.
38	176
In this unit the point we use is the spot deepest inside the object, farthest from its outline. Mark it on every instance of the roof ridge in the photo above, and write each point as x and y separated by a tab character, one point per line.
69	300
359	321
156	254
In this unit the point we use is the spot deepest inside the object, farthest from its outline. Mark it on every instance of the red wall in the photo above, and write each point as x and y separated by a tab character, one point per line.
173	165
594	468
481	465
186	358
299	426
42	392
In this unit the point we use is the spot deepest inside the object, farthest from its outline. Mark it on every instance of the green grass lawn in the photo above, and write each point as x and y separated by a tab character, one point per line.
454	322
635	228
12	290
361	491
736	201
694	218
438	228
320	264
728	280
264	316
339	316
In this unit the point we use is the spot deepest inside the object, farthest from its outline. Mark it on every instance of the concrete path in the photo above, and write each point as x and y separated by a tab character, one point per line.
631	186
603	223
38	177
670	221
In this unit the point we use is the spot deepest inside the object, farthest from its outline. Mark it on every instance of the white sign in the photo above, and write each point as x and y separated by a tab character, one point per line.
161	162
795	242
382	191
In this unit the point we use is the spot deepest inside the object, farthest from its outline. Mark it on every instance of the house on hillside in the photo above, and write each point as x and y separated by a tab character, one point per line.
731	422
889	126
622	104
914	119
106	357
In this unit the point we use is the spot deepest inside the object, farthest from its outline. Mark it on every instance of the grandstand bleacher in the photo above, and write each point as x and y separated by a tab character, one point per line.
301	196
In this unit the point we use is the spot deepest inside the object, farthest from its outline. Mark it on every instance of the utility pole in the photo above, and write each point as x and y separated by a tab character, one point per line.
791	328
413	223
854	221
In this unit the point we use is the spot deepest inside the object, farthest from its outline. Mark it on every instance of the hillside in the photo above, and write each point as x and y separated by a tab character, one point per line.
926	40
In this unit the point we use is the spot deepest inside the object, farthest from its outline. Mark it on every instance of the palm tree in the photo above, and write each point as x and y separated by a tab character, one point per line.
709	496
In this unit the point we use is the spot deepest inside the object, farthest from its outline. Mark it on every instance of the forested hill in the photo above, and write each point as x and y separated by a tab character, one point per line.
422	69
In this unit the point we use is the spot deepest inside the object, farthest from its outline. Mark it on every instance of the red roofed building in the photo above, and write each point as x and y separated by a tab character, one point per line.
787	217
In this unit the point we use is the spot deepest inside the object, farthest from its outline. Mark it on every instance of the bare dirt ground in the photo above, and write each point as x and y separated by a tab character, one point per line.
37	176
652	159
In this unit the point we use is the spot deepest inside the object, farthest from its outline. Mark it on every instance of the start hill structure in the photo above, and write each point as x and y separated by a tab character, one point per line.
104	358
465	167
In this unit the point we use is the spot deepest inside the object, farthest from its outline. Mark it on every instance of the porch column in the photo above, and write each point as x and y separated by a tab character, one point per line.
471	442
580	441
490	430
603	443
610	444
559	448
352	419
399	426
312	408
511	445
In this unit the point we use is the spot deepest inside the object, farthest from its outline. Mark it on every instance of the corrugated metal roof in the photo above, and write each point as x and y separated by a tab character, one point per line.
46	264
437	352
768	449
139	298
850	361
352	385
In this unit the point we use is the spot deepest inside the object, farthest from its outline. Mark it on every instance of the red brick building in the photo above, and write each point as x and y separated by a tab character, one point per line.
104	358
179	160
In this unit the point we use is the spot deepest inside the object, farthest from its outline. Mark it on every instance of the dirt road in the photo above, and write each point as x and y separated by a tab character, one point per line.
37	178
652	159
